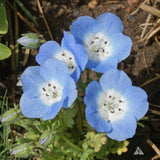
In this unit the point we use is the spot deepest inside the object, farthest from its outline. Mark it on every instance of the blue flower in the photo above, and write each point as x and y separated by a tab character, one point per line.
114	105
72	53
103	40
46	89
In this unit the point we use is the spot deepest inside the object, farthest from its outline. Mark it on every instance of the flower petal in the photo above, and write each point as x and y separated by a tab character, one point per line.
109	63
92	115
121	46
32	107
70	92
108	23
69	43
92	94
31	81
97	122
137	101
82	27
115	79
123	129
54	69
53	110
47	50
76	74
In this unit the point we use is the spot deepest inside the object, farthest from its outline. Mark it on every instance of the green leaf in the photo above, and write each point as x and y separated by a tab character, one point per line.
5	52
3	21
68	116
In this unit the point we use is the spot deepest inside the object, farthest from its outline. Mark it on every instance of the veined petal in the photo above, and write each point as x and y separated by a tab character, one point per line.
123	129
69	43
97	122
54	69
108	23
47	50
109	63
92	94
121	46
32	107
53	110
70	92
76	74
137	101
115	79
31	81
82	27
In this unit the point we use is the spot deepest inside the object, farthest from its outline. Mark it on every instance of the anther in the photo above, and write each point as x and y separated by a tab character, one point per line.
70	58
120	101
54	87
105	42
112	111
44	89
119	109
92	42
63	54
49	84
96	38
47	95
110	96
105	104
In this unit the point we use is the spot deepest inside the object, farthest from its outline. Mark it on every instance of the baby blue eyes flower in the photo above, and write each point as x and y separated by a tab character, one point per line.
47	89
114	105
103	40
70	52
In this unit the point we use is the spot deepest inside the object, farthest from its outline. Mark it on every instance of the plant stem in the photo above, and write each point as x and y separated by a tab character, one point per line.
71	144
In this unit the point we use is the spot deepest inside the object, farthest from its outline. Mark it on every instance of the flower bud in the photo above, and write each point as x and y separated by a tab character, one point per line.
46	138
23	150
29	40
10	115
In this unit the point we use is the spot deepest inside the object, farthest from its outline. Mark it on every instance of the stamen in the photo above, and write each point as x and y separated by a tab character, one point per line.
96	38
112	105
49	84
70	58
92	42
54	87
51	92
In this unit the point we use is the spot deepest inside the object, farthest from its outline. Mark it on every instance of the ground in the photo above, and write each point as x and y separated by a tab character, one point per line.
142	65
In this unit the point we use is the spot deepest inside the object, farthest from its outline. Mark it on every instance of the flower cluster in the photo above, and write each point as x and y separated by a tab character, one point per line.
113	105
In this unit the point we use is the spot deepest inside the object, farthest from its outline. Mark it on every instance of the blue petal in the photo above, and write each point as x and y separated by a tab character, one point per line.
47	50
76	74
53	69
53	110
123	129
103	66
115	79
91	95
70	92
121	46
69	43
96	121
82	27
108	23
137	101
91	100
31	81
32	107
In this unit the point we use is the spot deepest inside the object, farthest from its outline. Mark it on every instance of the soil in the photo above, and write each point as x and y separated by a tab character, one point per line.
142	65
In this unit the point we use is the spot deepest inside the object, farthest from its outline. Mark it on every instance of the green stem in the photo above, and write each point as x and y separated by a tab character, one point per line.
71	144
79	117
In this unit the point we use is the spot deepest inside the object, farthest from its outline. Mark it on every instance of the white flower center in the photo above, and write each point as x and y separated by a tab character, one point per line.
112	105
51	92
68	58
97	47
